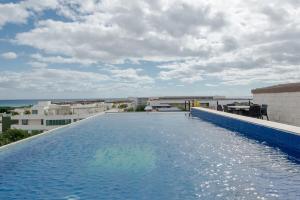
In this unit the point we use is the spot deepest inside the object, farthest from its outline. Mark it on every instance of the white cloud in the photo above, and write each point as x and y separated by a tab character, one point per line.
132	76
19	13
9	55
197	40
54	82
13	13
37	64
61	60
211	85
161	30
38	5
232	71
112	32
272	75
57	80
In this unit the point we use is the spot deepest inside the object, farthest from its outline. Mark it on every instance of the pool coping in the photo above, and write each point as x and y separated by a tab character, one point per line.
270	124
48	132
143	112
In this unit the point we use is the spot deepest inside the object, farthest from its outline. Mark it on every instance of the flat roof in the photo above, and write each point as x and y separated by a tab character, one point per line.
282	88
181	97
190	98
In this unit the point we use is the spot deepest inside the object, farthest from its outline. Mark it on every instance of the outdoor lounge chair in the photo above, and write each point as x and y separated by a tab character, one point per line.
219	108
225	107
264	111
255	111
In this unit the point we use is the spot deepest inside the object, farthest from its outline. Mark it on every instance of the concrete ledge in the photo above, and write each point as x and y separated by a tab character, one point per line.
285	137
47	132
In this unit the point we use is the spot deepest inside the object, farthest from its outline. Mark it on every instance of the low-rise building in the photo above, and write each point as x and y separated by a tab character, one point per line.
46	116
282	100
183	102
161	107
138	101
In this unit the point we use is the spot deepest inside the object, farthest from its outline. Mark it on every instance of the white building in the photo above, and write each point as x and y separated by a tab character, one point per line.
283	102
161	107
46	116
139	101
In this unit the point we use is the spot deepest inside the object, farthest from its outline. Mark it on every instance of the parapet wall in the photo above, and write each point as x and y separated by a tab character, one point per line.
282	107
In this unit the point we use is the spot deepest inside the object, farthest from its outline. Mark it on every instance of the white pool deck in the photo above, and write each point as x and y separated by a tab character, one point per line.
270	124
50	131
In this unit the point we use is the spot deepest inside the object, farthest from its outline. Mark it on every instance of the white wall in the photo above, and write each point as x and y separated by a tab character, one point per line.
282	107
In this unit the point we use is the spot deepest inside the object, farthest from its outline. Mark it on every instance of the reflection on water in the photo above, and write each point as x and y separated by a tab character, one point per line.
124	158
146	157
72	197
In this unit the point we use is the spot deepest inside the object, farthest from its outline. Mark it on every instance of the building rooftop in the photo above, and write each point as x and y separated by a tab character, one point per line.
183	97
282	88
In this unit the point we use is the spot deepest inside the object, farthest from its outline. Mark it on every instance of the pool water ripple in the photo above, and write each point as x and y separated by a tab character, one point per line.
146	156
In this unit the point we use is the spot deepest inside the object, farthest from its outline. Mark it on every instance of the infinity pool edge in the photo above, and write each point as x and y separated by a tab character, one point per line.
285	137
47	132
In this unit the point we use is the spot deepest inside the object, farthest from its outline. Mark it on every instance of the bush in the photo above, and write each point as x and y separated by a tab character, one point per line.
6	109
12	135
140	108
14	113
27	112
122	106
15	134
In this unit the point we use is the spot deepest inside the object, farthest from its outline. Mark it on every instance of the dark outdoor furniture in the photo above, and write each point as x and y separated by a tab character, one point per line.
264	111
219	108
230	110
255	111
239	109
245	112
225	107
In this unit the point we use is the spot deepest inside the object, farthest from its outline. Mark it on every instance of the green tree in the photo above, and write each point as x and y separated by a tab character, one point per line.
12	135
140	108
122	106
14	113
7	122
5	109
27	112
16	134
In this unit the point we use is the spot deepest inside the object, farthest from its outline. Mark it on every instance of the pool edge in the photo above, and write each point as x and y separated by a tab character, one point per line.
48	132
284	137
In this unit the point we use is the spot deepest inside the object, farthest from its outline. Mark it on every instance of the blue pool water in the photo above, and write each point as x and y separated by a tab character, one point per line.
146	156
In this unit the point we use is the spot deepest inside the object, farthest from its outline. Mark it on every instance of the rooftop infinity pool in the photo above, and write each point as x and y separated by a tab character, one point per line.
146	156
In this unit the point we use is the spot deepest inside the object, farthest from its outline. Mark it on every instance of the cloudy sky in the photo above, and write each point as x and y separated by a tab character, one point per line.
117	48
